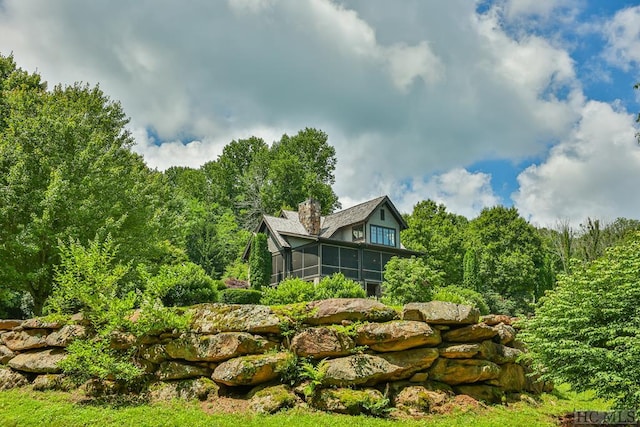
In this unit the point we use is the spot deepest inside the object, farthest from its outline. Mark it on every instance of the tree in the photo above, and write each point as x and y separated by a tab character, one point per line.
585	331
301	166
510	262
440	234
259	262
409	280
67	171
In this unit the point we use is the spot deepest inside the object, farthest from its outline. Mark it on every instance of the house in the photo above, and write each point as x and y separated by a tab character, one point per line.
358	242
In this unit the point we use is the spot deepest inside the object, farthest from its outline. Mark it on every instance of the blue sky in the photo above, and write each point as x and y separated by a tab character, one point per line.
519	102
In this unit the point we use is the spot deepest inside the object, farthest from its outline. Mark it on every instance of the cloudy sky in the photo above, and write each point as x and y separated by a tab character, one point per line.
527	103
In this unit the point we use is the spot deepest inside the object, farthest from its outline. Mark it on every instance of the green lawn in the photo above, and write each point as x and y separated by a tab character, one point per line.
29	408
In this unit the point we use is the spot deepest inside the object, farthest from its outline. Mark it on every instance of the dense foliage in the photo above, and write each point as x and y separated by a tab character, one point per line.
586	331
338	286
290	290
409	280
294	290
91	280
67	171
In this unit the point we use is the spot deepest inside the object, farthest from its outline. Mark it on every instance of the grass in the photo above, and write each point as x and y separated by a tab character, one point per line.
24	407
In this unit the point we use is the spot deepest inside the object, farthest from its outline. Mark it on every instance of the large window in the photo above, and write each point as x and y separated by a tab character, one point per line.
383	235
304	262
343	260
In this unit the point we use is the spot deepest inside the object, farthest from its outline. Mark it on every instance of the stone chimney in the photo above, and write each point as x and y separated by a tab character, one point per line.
309	216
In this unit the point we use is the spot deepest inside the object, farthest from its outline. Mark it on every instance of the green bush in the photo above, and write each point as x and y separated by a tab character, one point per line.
586	330
186	284
89	279
338	286
289	291
240	296
460	295
409	280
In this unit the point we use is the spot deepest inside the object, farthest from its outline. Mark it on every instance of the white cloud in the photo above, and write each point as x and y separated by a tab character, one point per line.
461	191
403	92
623	36
594	172
515	9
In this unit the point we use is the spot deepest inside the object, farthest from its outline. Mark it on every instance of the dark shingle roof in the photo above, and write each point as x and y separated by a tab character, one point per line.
289	224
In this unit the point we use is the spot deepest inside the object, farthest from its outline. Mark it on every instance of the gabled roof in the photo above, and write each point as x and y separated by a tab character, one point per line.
356	214
288	223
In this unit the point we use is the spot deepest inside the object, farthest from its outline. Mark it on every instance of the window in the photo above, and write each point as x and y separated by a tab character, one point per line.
343	260
383	235
304	262
381	214
357	233
277	268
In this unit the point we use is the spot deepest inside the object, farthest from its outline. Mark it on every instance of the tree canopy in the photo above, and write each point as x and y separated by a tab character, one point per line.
586	330
67	171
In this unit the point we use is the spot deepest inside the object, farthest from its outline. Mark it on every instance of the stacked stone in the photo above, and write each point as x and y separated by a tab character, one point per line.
365	352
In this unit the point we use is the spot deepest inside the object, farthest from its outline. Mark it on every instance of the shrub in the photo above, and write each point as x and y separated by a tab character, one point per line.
185	284
90	280
290	290
338	286
240	296
460	295
409	280
237	270
585	331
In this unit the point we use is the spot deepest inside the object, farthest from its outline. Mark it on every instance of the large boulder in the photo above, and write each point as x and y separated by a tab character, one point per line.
512	378
507	333
483	392
8	324
336	310
371	369
495	319
350	401
5	354
26	339
10	379
63	336
37	323
322	342
39	361
59	382
215	318
267	400
418	399
216	348
155	353
252	370
471	333
200	389
459	351
498	353
460	371
441	313
172	370
397	335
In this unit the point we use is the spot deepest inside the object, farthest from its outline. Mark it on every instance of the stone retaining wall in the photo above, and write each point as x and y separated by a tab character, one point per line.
359	355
